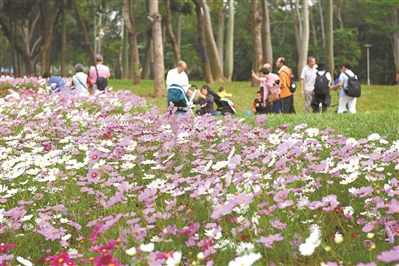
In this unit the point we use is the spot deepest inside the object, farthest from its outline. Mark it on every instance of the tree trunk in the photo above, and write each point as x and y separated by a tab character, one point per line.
130	24
47	31
169	30
125	53
254	20
64	46
267	48
395	37
329	52
304	48
229	58
313	32
86	42
147	60
338	13
201	43
155	19
216	64
323	35
220	36
296	20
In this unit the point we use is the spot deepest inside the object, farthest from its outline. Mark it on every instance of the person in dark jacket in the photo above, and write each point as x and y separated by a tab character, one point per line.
205	100
54	83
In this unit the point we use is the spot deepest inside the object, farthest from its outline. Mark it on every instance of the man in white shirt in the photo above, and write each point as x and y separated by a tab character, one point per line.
307	78
179	77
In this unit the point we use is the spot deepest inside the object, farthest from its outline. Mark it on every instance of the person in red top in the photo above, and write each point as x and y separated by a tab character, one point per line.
287	97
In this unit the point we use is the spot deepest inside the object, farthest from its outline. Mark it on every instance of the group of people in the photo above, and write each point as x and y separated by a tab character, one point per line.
81	82
312	80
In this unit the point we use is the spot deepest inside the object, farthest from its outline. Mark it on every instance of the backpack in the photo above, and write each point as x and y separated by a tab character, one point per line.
101	82
292	87
353	89
321	84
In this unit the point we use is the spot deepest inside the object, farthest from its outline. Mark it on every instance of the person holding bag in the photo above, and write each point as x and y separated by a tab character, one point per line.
81	81
99	74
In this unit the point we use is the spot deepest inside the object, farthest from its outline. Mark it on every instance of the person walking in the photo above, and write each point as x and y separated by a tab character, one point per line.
344	99
97	71
81	81
307	80
286	96
321	93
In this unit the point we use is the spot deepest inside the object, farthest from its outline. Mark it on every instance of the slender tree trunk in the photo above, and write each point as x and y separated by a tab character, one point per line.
125	53
216	64
220	35
130	24
178	27
297	25
171	35
255	20
329	52
201	43
147	60
47	31
338	13
64	46
86	42
305	38
395	37
267	41
229	58
313	32
323	35
155	19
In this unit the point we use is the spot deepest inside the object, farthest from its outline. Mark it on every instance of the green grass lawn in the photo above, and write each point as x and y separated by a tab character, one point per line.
377	108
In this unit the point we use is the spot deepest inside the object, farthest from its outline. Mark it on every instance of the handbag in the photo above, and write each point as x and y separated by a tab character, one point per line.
273	97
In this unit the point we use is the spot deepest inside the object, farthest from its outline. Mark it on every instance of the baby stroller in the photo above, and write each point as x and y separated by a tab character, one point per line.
224	106
179	98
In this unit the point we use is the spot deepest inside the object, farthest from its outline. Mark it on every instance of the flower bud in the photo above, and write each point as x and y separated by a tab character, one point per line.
338	239
370	235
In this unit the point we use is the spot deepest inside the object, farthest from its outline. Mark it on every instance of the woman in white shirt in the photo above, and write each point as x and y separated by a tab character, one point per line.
81	81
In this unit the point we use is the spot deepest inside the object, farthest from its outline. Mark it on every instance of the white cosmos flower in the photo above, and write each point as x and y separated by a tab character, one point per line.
3	188
27	217
312	132
131	251
244	248
374	136
147	247
312	242
274	139
175	259
246	260
353	165
24	262
351	141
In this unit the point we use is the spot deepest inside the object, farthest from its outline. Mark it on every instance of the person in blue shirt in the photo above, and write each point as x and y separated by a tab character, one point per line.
345	100
55	83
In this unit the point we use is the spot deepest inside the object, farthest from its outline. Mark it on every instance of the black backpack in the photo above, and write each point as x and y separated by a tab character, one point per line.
353	89
101	82
321	84
292	87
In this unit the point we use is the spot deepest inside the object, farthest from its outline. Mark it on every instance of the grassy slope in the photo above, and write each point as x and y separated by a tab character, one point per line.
377	108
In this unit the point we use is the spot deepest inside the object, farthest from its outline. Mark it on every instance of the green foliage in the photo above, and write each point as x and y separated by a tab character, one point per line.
346	46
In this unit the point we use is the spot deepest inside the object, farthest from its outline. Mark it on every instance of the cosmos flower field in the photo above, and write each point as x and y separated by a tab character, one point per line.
95	180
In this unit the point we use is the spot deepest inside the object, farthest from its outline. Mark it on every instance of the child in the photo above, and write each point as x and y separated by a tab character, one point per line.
222	93
257	106
206	101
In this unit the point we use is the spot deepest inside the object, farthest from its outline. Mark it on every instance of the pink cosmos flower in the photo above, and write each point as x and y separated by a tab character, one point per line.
267	241
93	176
389	255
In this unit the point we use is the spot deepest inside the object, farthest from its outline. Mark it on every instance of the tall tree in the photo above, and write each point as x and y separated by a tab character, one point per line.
201	43
155	19
86	42
130	24
64	45
220	35
267	48
216	64
47	26
329	48
255	20
169	30
304	37
229	58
